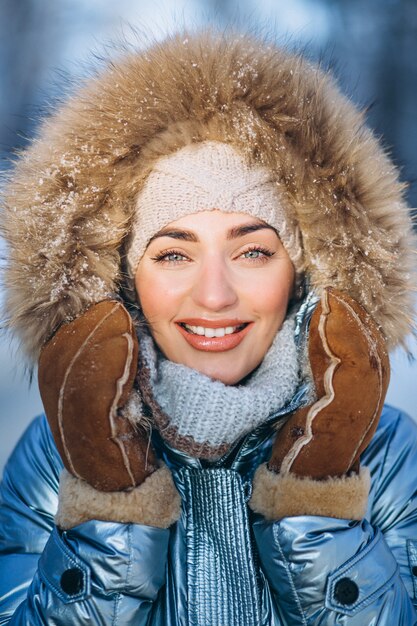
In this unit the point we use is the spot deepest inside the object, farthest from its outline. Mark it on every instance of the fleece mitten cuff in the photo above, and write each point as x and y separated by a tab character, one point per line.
281	495
156	502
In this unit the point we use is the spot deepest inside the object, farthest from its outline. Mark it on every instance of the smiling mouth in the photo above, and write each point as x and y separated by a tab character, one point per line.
214	338
213	332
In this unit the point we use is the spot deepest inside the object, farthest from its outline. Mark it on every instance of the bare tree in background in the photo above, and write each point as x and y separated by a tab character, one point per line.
375	45
228	11
27	29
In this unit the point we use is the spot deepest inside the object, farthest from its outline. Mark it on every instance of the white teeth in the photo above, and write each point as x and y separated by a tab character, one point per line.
211	332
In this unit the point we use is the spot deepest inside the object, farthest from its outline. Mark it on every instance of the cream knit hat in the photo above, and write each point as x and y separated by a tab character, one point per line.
204	176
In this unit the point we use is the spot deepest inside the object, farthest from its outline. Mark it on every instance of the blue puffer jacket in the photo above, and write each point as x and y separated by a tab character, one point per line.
219	564
67	212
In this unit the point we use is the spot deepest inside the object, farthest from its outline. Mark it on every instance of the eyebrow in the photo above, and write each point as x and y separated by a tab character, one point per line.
245	229
233	233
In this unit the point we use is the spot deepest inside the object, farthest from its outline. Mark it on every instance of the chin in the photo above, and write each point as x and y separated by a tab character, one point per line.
227	379
217	366
224	375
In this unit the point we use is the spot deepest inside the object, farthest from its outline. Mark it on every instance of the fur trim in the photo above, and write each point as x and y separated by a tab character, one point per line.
68	205
156	502
276	496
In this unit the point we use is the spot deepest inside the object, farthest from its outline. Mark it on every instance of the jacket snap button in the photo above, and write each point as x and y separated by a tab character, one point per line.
72	581
346	591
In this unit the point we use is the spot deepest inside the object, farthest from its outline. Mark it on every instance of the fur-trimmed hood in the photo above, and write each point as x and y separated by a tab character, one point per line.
69	202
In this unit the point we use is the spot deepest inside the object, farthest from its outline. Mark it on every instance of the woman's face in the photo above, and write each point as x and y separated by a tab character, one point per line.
214	288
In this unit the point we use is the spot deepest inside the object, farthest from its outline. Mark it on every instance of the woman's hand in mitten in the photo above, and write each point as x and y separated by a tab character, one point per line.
321	443
86	374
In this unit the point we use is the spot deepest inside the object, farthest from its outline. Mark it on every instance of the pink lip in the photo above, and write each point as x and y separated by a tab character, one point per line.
199	321
214	344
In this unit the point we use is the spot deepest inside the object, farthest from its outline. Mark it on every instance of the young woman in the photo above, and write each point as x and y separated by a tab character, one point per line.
209	257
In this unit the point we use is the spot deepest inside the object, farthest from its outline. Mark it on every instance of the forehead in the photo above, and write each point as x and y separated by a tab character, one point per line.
214	222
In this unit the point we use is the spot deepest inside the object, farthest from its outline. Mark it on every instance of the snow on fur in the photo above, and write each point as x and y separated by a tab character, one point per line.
68	205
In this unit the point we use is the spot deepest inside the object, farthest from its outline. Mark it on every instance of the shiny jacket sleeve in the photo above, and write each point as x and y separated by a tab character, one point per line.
98	572
326	571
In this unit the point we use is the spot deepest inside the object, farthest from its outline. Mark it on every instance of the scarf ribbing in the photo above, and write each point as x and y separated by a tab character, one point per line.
204	417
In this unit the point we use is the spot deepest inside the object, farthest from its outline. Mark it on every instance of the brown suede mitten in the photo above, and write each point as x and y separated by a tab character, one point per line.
86	373
350	367
314	465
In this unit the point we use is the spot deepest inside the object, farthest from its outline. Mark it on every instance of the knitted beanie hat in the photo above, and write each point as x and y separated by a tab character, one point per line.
204	176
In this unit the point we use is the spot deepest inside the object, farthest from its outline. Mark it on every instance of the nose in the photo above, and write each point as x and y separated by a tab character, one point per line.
214	287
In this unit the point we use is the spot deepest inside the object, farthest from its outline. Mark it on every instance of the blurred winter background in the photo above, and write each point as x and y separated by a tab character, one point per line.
370	44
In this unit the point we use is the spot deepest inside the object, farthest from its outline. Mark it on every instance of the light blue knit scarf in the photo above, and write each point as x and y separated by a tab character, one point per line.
204	417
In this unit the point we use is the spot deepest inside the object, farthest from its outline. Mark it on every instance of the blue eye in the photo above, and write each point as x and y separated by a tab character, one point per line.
253	254
170	257
174	257
257	254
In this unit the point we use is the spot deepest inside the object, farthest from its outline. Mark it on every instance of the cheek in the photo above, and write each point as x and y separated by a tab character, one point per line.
270	297
159	296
